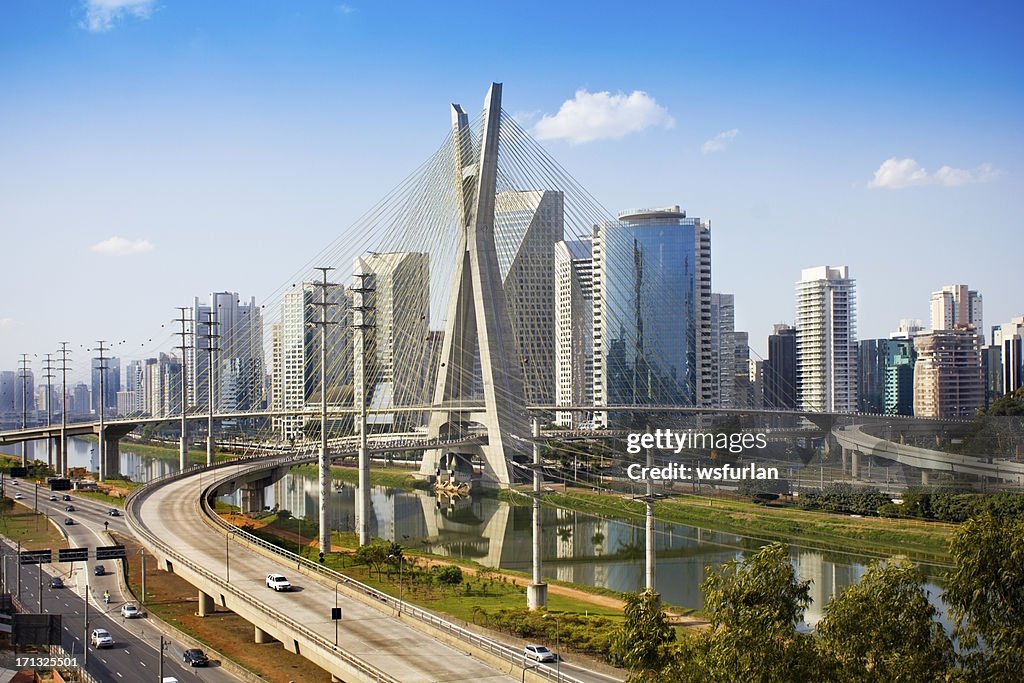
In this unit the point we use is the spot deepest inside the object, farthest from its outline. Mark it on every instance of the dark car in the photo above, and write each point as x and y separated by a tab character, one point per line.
56	582
195	657
100	570
68	521
114	512
65	497
69	508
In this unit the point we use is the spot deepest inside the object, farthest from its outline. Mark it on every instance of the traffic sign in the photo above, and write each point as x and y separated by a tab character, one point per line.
110	552
72	554
35	556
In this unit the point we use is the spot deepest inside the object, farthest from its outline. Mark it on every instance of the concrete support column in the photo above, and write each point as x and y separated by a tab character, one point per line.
252	498
843	458
112	456
206	604
855	464
925	478
261	636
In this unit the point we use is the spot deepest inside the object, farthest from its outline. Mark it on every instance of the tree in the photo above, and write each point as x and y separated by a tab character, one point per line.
884	629
449	575
642	643
985	592
374	554
754	608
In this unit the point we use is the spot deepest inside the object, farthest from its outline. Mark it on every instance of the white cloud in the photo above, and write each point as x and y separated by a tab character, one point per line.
9	323
895	174
602	116
345	9
720	141
102	15
119	246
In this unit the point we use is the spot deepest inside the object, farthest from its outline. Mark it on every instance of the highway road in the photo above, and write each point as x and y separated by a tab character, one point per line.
136	654
169	511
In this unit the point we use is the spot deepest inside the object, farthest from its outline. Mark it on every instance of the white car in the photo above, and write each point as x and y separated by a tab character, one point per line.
130	611
101	638
18	496
278	582
539	653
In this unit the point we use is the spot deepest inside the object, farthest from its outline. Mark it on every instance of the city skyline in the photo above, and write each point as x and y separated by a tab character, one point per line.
167	127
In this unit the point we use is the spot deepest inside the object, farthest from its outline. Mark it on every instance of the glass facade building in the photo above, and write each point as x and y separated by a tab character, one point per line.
652	309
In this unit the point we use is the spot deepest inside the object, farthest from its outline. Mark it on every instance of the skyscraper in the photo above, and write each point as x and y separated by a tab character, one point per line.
956	305
574	332
652	310
780	369
296	348
1009	338
948	376
826	340
398	343
900	357
111	385
526	226
723	349
238	353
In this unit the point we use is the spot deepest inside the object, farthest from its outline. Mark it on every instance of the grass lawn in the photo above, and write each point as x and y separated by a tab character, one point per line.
33	530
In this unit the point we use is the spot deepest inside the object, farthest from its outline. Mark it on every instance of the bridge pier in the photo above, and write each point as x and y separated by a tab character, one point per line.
842	458
261	637
206	604
253	497
854	464
925	478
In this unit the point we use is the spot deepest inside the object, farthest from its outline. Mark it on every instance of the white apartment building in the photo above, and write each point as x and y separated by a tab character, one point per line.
826	340
574	334
956	305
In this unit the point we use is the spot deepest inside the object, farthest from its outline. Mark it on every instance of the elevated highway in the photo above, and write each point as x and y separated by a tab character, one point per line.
857	441
376	638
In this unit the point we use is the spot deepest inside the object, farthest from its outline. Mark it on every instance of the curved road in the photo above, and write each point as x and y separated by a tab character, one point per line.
170	512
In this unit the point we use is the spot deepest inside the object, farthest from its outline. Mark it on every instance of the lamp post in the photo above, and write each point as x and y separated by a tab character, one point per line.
558	647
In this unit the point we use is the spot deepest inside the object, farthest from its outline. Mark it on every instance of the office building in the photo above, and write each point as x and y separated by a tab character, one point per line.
948	375
908	327
652	310
871	375
574	331
397	347
956	305
899	356
723	350
236	329
526	227
780	369
111	371
826	340
1008	339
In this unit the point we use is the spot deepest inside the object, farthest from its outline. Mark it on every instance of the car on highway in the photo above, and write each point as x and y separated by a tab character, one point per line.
53	497
101	638
195	657
18	496
56	582
69	508
65	497
99	570
539	653
68	521
114	512
278	582
130	611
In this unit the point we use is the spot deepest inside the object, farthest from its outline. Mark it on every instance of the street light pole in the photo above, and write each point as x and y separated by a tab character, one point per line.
49	407
24	406
102	443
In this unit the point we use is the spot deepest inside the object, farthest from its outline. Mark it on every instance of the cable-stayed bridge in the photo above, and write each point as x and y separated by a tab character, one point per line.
489	292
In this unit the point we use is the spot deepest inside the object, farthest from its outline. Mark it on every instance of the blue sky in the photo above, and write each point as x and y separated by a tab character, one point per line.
224	144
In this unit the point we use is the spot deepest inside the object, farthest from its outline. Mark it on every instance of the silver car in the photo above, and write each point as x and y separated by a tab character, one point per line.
539	653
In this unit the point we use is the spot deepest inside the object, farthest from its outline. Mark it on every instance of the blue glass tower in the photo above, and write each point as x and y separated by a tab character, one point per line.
652	309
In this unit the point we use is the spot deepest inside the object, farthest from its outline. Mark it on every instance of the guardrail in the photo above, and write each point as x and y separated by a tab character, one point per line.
206	513
131	515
